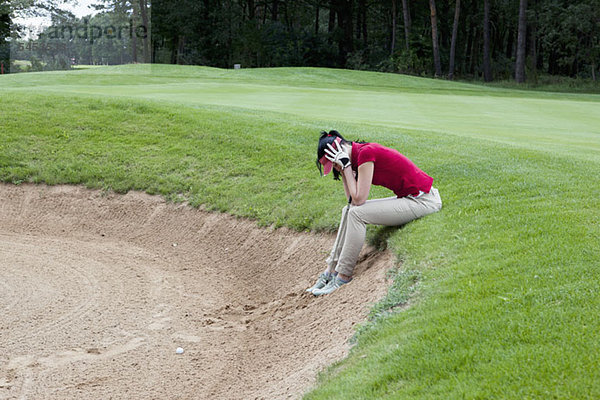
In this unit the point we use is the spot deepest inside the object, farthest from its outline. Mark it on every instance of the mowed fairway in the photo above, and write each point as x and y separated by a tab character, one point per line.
560	122
497	295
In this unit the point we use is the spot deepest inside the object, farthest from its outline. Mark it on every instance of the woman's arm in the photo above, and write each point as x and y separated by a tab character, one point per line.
346	186
359	190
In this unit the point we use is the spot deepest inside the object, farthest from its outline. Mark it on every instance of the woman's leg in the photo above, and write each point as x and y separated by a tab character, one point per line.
391	212
333	258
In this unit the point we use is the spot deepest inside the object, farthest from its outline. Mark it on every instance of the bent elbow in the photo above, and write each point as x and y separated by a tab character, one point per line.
359	201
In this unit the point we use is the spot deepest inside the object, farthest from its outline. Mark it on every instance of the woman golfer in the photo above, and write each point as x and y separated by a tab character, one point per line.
362	165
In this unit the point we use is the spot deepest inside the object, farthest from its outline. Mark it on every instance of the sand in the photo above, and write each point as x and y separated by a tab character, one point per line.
97	291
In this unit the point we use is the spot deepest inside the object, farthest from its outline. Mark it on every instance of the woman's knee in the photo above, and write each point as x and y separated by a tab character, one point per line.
355	212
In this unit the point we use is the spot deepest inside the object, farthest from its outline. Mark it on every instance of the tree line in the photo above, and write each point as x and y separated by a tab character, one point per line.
118	34
468	39
487	39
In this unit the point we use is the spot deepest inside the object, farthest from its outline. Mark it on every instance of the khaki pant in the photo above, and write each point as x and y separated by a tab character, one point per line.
392	211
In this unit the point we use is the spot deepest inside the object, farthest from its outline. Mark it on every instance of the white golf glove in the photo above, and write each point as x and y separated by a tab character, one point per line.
337	155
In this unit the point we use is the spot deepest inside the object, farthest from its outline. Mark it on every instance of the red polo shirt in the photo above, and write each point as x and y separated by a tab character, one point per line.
392	169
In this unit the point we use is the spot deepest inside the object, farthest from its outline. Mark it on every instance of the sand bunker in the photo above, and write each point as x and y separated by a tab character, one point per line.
98	290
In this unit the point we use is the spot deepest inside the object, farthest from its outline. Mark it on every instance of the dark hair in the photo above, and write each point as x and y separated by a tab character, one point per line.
325	139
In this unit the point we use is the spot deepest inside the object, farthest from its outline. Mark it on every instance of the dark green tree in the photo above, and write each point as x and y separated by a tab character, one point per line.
454	38
521	43
4	35
435	38
557	37
487	62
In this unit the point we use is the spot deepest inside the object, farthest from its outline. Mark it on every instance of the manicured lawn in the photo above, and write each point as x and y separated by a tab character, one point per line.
502	285
541	121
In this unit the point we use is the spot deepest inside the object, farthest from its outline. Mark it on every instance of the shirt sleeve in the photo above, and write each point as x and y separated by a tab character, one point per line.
367	154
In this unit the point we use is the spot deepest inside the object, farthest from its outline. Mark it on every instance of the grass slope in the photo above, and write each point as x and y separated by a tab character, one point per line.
503	281
542	121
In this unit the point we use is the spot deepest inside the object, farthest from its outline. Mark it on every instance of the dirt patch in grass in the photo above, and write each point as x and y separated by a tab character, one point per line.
99	290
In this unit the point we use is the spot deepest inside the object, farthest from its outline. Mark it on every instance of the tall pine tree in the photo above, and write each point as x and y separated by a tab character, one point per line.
4	35
521	43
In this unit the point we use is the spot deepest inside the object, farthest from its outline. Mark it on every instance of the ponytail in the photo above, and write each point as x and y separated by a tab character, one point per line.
333	133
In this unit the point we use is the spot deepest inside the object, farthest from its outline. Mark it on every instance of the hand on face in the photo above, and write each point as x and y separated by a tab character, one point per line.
338	156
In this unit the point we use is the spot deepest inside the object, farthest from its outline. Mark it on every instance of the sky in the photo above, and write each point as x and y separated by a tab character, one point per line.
78	7
81	9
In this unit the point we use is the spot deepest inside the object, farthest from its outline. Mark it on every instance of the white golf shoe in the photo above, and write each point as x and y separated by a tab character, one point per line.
323	280
333	284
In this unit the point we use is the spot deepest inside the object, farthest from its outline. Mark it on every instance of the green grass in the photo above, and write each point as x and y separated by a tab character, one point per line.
86	66
502	283
543	121
551	83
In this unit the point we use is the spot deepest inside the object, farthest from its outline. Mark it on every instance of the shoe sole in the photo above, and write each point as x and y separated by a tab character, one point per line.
322	294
